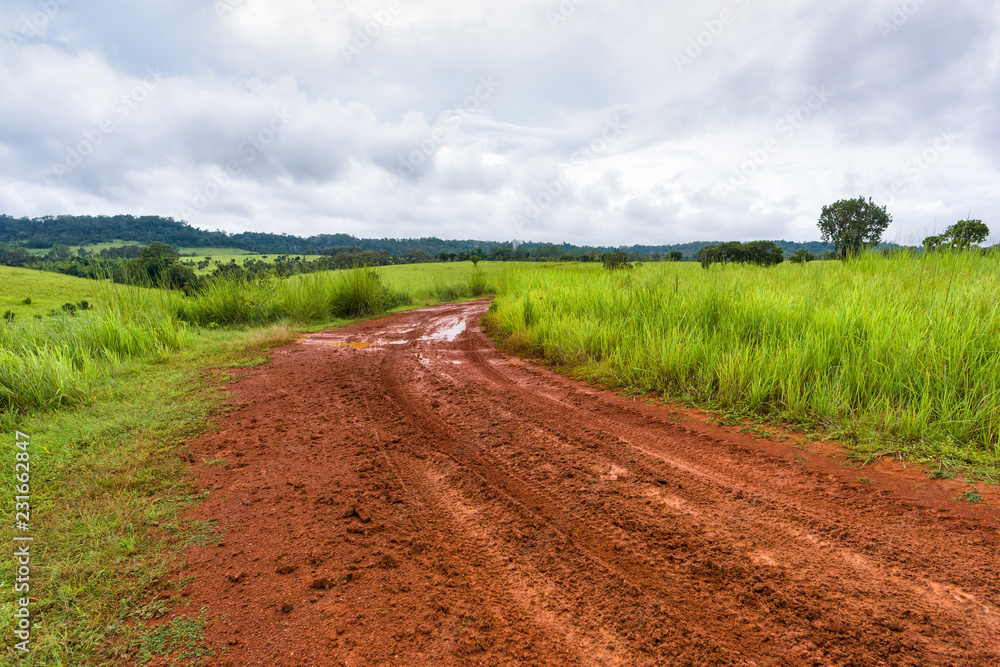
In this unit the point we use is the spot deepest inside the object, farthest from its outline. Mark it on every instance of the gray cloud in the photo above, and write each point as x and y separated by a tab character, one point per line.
371	117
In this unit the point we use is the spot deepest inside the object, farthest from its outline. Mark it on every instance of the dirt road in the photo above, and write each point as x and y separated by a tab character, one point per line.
401	493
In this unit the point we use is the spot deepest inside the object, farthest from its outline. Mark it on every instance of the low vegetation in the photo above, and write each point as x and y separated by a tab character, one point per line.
896	352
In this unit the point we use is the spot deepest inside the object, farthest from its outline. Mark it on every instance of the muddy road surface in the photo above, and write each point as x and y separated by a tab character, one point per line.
402	493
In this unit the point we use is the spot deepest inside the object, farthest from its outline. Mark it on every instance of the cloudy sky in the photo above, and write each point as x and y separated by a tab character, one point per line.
588	121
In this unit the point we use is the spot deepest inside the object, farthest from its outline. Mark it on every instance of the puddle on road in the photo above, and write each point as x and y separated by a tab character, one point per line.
452	328
441	329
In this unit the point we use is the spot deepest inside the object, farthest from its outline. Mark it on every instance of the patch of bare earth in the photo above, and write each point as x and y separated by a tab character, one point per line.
400	492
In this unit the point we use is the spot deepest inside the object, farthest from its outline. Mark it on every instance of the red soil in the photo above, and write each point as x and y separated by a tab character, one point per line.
428	500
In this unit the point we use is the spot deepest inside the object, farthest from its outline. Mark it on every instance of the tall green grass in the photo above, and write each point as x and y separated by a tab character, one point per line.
313	297
904	350
320	297
53	361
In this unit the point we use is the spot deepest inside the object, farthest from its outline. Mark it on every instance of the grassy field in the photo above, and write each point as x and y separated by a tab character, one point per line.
47	291
893	355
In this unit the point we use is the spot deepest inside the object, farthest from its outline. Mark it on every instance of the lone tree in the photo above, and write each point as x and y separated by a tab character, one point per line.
801	256
853	225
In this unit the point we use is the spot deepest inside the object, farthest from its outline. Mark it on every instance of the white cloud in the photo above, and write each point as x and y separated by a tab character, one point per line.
309	116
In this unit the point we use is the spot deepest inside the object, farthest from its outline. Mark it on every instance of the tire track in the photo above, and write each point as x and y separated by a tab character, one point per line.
400	492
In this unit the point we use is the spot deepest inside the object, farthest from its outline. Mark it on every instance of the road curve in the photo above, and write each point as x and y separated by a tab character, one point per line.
402	493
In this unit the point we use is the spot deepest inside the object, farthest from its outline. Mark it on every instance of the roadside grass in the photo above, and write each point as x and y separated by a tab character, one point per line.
311	297
344	294
52	362
107	485
886	354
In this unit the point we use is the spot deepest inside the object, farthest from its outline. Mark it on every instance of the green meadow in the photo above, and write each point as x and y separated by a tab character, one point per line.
897	354
45	291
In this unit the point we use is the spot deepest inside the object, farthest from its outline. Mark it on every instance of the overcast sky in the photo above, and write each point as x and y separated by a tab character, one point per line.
587	121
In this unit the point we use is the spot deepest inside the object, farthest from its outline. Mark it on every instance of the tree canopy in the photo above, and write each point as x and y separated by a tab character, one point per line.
960	236
852	225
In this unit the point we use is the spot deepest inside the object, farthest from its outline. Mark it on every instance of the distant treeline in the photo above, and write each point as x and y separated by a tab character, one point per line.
74	230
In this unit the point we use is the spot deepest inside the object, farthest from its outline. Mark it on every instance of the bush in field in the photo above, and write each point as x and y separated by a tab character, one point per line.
477	283
615	260
763	253
801	256
359	293
675	256
157	264
852	225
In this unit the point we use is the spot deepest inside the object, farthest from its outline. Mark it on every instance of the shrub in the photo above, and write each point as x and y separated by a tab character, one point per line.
477	283
615	260
801	256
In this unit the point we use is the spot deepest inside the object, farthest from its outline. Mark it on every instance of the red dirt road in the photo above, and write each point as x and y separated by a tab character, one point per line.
402	493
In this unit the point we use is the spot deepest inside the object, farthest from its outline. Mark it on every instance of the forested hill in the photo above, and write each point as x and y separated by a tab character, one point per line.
77	230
